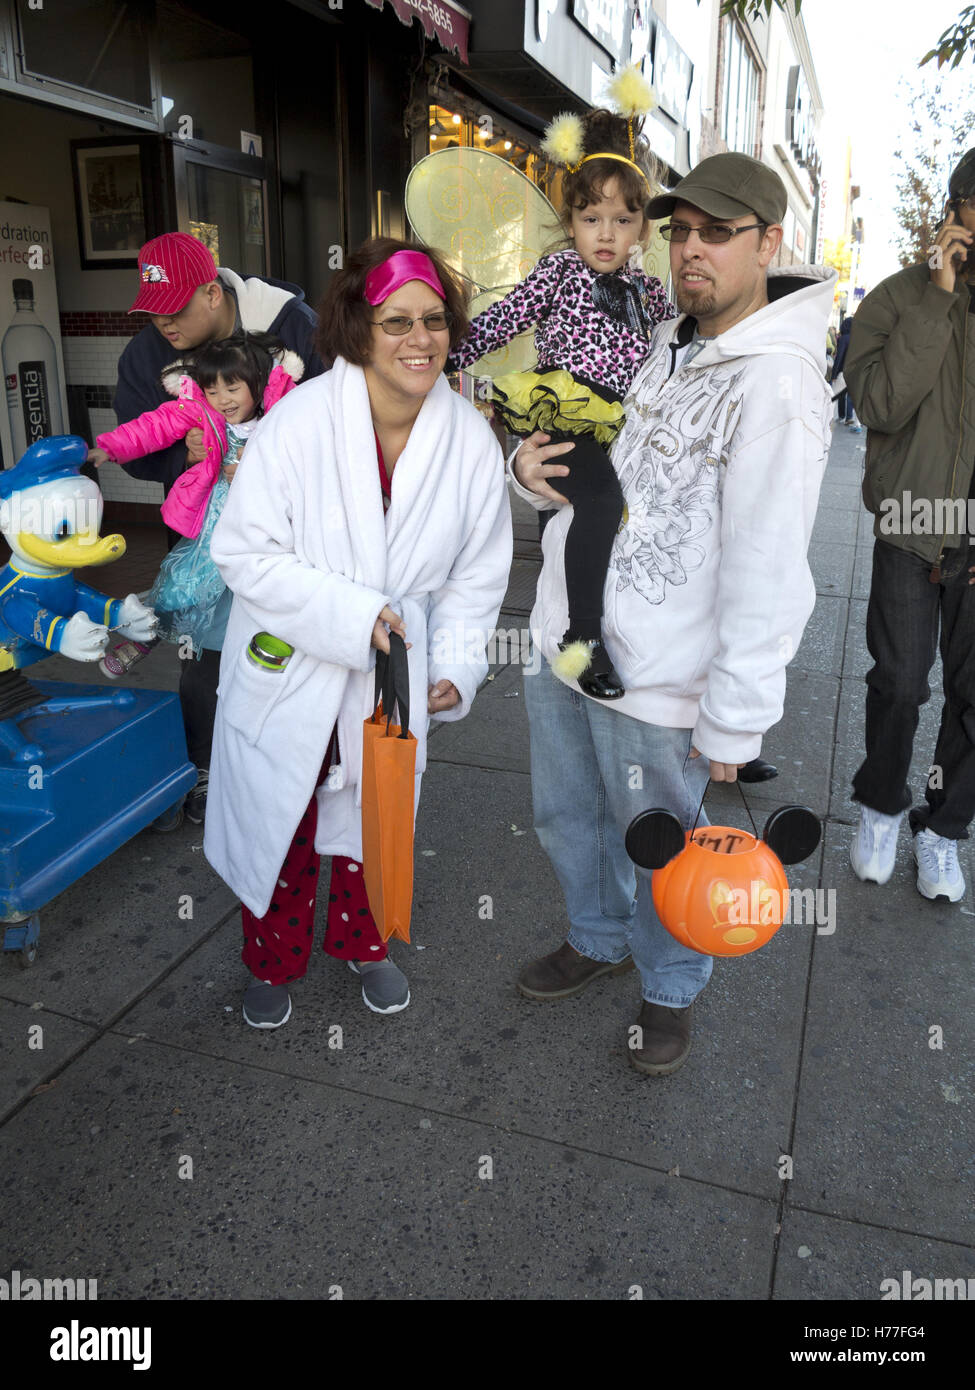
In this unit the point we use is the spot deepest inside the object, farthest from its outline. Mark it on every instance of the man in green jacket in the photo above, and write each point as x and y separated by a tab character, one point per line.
910	371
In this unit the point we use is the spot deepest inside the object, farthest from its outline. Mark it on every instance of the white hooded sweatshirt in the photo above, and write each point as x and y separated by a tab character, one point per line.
258	303
708	589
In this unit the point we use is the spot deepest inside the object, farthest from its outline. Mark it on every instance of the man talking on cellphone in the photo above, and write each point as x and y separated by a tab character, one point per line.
910	371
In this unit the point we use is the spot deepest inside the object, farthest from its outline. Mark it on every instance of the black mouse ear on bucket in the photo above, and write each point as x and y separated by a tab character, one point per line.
793	832
654	838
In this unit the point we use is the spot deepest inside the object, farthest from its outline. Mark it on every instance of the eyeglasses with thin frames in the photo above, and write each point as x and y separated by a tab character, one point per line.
959	203
715	234
433	323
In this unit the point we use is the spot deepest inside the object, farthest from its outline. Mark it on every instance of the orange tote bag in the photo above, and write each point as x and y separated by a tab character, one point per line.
388	786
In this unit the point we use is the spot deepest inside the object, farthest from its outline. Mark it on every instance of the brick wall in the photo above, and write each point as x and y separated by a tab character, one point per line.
103	324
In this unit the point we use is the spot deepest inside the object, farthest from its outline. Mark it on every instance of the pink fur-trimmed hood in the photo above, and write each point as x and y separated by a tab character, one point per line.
177	383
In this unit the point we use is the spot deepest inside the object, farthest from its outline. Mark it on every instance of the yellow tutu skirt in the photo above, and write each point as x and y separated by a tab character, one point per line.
555	401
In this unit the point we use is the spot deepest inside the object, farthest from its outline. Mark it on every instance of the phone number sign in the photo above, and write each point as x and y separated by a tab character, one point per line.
450	24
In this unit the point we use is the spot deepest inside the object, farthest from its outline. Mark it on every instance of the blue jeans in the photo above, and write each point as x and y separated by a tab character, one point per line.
585	759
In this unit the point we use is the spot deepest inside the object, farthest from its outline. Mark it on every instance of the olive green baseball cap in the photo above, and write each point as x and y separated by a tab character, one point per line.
728	185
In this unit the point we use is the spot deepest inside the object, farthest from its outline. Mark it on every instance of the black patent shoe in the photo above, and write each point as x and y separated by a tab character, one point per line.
600	679
758	770
602	685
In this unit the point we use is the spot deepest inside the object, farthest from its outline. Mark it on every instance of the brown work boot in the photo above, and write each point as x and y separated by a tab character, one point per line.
565	973
664	1042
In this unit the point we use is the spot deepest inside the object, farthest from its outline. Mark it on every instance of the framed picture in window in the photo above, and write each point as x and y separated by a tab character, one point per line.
113	199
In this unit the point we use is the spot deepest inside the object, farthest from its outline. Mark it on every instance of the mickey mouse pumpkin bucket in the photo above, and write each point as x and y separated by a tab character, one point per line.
719	890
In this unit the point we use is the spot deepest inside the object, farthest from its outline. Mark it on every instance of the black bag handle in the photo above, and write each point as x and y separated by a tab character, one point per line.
393	683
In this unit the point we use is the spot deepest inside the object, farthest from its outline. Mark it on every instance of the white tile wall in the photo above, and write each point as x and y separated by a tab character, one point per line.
94	362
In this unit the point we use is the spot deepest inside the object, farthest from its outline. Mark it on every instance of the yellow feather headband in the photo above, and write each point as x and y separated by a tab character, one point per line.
632	96
606	154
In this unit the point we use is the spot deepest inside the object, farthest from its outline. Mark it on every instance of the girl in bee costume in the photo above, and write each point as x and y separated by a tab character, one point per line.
592	308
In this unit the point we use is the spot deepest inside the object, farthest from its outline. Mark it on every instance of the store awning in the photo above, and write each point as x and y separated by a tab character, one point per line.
442	18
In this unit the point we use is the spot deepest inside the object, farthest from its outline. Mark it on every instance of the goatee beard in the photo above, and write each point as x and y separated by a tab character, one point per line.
695	304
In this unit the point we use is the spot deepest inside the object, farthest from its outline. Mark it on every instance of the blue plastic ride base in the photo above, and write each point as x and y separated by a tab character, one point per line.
79	776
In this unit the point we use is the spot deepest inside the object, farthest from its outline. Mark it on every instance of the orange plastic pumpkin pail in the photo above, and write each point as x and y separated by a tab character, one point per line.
725	894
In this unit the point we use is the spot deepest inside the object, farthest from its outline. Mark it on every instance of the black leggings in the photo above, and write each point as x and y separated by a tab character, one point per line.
198	698
595	493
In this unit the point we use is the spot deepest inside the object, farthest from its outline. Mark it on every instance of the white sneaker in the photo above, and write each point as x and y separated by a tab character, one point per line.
874	846
938	874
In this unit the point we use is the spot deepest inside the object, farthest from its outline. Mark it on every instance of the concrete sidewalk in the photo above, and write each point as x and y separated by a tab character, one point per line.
479	1146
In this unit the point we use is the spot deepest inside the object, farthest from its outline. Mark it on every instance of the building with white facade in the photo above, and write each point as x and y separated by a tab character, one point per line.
754	90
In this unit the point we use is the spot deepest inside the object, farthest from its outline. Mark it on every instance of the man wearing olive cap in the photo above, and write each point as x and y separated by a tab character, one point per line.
910	371
708	591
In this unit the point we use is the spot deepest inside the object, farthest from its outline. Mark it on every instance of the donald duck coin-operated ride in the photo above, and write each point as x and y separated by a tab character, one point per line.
82	770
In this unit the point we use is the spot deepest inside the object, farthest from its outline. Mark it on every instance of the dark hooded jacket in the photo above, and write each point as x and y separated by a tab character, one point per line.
910	371
263	305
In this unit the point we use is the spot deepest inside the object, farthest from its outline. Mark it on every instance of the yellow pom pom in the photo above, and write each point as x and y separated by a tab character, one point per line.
563	139
631	93
573	661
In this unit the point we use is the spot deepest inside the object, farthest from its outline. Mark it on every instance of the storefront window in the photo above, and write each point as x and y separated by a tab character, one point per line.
226	213
95	45
739	116
206	74
452	126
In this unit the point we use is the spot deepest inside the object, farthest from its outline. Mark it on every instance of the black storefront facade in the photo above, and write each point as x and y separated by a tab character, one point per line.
277	136
281	137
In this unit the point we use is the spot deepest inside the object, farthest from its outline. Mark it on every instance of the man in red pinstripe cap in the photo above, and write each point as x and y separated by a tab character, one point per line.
189	301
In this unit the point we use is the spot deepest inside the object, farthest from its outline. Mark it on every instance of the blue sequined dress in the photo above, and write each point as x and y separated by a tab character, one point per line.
189	596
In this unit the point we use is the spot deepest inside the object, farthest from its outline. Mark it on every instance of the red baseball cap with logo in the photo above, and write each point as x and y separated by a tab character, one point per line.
171	267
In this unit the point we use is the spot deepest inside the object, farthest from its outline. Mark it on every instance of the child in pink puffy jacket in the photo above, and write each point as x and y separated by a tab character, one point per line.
253	363
223	388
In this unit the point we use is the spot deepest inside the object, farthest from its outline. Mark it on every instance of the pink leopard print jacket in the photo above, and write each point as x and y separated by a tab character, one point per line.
586	323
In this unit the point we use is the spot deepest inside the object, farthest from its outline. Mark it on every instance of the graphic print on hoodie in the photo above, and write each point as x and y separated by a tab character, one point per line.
671	506
720	461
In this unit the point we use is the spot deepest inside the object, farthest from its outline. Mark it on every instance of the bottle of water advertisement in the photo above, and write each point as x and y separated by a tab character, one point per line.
30	370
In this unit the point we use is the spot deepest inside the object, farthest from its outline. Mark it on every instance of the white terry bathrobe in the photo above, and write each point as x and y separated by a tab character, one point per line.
310	557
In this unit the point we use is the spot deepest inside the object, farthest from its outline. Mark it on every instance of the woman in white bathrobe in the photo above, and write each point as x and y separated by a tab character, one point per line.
372	498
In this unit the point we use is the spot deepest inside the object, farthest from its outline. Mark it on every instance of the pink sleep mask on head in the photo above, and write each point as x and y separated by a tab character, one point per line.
401	267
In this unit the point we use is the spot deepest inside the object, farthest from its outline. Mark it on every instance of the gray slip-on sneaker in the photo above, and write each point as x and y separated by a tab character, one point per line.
385	989
267	1006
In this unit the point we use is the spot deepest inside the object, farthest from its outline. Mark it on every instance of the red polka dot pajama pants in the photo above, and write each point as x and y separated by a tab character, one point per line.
277	946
